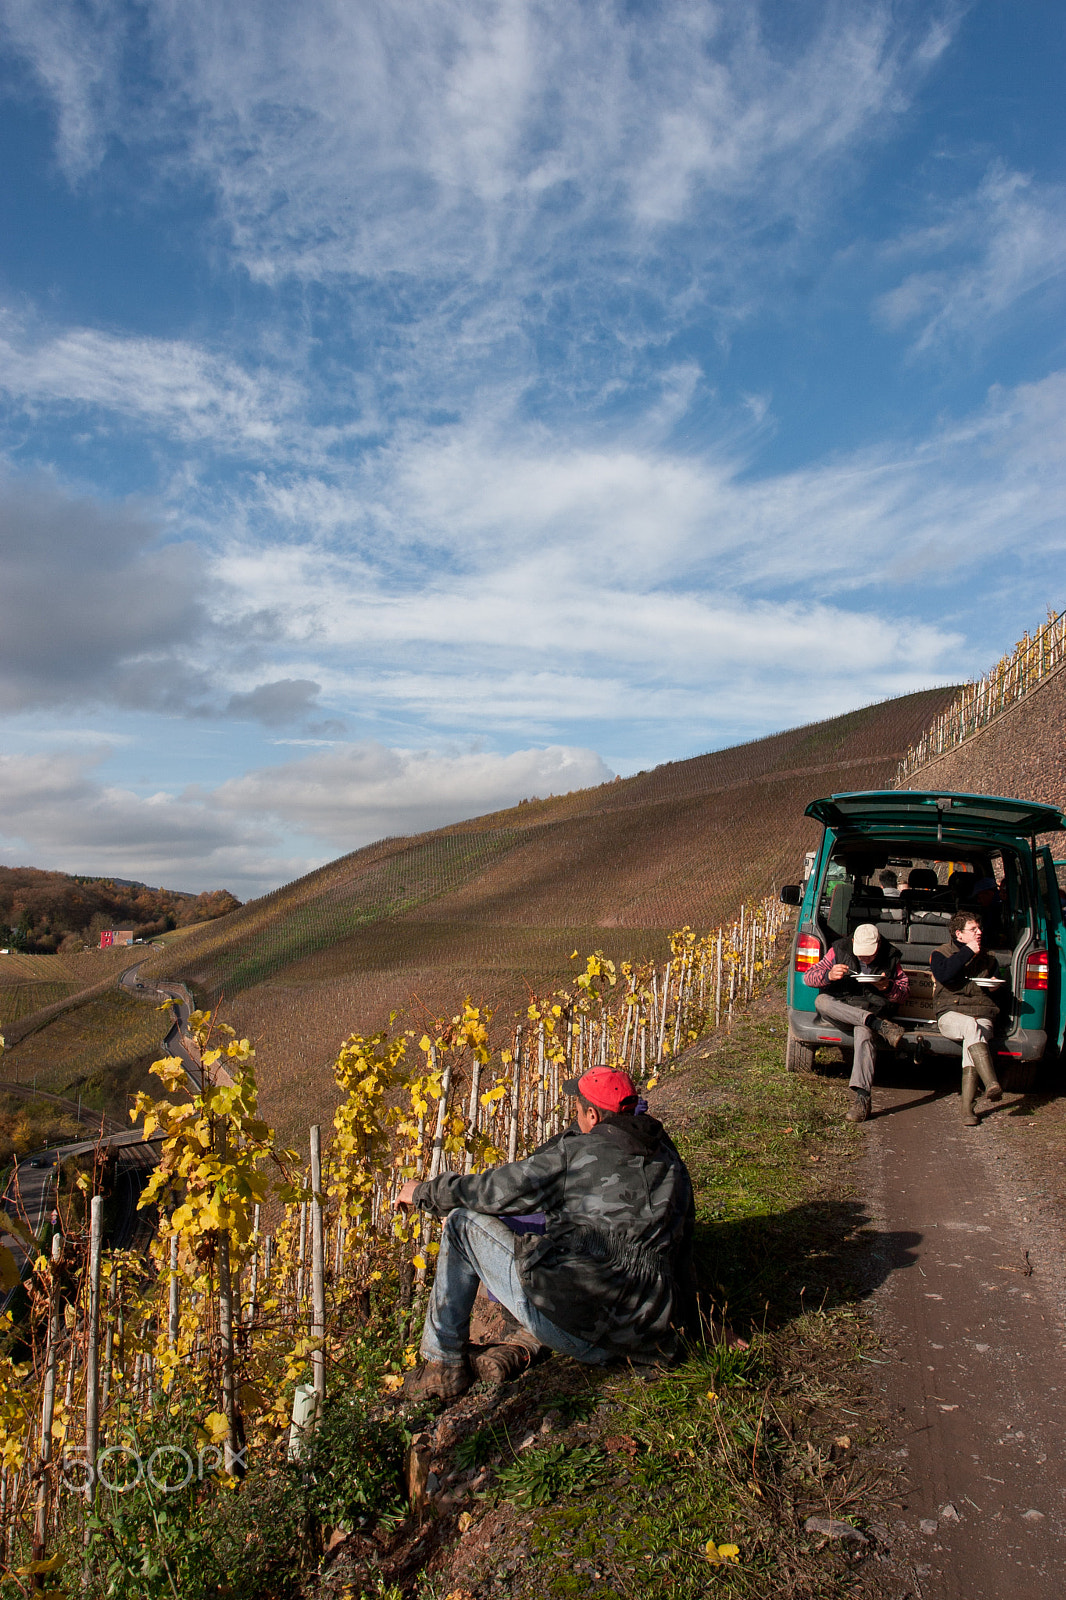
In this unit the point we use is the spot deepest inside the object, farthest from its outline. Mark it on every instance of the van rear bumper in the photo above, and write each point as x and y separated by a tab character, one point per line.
1025	1044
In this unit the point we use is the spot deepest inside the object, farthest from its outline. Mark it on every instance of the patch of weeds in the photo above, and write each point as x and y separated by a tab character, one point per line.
541	1476
577	1407
385	1340
150	1539
355	1465
712	1457
476	1448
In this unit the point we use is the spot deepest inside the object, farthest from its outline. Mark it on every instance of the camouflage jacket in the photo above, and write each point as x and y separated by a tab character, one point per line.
614	1263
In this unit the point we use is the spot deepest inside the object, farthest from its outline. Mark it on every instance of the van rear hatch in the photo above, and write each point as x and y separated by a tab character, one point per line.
916	817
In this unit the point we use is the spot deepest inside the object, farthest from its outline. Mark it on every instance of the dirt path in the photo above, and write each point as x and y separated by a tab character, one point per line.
975	1375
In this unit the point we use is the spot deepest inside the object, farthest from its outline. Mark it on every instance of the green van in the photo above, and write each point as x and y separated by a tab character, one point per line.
907	860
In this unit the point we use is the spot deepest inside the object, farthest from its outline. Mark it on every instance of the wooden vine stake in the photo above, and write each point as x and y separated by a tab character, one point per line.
48	1407
318	1277
225	1330
516	1067
92	1348
174	1307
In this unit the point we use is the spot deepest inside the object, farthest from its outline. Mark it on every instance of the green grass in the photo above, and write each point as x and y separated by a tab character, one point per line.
330	911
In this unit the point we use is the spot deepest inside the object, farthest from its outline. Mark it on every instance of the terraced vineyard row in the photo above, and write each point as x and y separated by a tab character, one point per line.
327	907
19	1000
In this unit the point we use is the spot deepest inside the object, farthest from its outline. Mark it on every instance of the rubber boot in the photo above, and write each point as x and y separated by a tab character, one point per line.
969	1095
981	1056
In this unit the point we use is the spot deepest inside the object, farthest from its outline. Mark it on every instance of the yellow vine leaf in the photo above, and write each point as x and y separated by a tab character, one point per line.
215	1426
719	1554
35	1569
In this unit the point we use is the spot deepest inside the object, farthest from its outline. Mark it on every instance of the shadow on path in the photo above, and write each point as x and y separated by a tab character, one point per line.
823	1253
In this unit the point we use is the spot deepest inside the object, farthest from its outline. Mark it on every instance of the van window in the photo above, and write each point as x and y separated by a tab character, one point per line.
838	887
1007	916
1050	891
918	912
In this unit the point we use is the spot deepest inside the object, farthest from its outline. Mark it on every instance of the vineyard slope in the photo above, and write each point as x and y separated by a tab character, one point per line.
494	906
491	907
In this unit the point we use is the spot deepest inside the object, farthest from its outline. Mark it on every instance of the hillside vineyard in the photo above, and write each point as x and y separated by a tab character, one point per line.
494	907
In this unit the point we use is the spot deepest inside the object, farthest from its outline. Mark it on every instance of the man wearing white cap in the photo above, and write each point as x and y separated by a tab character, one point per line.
859	979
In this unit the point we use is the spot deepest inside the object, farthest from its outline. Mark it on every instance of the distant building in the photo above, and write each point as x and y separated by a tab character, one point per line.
110	936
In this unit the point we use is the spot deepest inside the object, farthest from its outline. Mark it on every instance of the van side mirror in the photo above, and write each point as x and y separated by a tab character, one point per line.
791	894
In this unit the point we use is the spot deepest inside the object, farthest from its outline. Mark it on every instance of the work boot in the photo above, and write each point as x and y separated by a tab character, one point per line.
501	1363
859	1109
981	1058
437	1380
891	1032
969	1095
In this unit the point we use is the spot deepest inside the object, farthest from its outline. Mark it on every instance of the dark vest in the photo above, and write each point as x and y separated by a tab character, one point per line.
886	958
962	995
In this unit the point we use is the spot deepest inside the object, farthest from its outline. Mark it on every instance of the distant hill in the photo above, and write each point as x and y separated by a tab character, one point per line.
495	906
42	912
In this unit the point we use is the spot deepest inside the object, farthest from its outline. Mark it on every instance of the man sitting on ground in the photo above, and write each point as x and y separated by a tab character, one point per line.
964	1009
860	1008
609	1276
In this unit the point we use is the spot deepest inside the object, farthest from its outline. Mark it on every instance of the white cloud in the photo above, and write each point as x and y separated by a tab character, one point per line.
166	384
632	553
373	139
240	835
98	607
77	61
1005	241
474	577
57	814
360	792
91	601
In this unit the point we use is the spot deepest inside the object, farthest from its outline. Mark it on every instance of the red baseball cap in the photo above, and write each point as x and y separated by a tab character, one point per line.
605	1089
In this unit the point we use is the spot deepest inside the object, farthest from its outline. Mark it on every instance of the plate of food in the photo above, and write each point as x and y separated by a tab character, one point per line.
989	983
868	977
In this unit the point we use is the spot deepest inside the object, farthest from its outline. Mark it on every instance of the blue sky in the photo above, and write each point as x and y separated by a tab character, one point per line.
408	408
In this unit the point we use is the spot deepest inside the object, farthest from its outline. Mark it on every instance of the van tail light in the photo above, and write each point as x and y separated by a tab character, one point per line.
809	953
1036	970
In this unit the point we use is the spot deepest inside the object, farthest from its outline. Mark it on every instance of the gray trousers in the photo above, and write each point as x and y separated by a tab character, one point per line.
856	1018
970	1030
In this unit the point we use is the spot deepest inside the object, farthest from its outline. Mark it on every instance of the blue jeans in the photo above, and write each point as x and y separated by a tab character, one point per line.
476	1249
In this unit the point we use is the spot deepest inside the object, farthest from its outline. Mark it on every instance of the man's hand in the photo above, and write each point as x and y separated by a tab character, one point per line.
839	971
406	1196
882	983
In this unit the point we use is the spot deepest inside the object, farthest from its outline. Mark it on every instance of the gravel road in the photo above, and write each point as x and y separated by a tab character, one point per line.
973	1321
